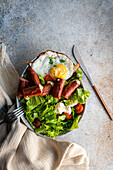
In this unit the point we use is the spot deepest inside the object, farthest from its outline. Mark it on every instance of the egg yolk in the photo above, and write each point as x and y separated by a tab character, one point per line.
60	71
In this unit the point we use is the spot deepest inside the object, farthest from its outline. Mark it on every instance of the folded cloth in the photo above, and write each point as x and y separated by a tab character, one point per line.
22	149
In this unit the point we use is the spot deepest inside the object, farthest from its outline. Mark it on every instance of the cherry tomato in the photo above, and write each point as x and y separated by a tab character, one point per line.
36	123
68	116
79	108
48	78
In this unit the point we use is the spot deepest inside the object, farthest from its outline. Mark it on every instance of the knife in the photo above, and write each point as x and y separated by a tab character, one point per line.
78	59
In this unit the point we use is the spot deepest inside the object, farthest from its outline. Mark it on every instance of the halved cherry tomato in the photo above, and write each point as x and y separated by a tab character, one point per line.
36	123
68	116
48	78
79	108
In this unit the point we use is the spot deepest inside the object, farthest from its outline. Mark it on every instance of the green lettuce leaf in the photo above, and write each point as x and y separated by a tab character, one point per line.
43	109
62	117
81	95
72	99
75	123
50	99
33	102
79	74
23	101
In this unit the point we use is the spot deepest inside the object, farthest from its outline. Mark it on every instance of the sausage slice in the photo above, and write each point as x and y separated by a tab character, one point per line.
32	77
57	89
70	88
22	84
46	89
32	91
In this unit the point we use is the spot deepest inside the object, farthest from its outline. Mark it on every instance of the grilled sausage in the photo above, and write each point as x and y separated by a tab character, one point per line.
32	91
70	88
22	84
57	88
46	89
32	77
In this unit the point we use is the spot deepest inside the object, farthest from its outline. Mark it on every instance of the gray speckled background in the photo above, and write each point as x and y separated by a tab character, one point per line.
30	27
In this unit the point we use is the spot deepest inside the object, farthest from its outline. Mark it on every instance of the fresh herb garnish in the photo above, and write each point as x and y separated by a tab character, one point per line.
41	79
62	61
55	65
51	60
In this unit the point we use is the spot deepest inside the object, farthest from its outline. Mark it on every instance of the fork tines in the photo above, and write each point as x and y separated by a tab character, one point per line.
12	116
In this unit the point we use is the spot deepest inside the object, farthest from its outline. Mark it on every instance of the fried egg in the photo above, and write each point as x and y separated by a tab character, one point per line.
56	64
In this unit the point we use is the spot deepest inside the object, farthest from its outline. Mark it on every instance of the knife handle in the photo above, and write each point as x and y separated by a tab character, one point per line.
102	101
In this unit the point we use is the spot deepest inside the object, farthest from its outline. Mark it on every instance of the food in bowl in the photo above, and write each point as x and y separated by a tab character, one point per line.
52	94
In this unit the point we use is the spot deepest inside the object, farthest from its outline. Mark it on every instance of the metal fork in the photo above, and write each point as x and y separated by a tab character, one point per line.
12	116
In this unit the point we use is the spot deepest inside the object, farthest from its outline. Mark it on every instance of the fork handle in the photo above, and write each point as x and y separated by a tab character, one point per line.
102	101
2	122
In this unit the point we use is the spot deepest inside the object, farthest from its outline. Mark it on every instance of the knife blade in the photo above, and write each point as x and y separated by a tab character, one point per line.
78	59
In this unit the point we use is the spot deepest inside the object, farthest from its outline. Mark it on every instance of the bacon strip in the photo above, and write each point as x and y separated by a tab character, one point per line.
22	84
70	89
46	89
32	77
57	88
31	91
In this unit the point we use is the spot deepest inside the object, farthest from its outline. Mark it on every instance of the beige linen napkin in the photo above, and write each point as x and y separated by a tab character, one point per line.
22	149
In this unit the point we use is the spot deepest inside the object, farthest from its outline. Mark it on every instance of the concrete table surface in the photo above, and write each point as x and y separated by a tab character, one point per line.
32	26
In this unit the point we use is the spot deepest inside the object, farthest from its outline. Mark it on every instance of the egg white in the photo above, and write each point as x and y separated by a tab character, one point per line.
42	66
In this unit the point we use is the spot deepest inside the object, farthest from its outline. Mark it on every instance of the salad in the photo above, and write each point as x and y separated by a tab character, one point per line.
48	108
